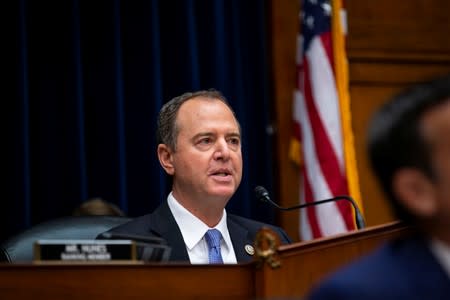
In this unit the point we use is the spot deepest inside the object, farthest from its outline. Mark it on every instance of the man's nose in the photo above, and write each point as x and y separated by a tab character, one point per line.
222	150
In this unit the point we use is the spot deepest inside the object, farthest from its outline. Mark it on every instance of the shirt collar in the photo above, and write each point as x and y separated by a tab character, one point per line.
192	228
442	253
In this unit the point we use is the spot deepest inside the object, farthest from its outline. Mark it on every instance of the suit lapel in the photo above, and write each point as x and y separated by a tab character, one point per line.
424	265
163	224
240	238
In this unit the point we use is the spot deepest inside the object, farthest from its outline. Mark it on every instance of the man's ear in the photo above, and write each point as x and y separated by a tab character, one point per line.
415	192
165	158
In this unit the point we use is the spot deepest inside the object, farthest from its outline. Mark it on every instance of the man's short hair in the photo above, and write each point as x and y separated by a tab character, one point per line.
167	130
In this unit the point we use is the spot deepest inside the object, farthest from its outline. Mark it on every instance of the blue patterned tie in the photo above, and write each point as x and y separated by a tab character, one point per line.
213	237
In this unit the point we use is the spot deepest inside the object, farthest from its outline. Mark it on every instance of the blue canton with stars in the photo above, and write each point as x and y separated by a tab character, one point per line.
315	18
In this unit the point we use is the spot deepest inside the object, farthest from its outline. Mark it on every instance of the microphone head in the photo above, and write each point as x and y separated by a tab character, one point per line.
261	193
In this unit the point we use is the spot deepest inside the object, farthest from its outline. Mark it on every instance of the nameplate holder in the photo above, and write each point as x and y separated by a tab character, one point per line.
84	250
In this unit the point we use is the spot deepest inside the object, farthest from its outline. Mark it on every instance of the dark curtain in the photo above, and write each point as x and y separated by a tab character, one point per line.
86	80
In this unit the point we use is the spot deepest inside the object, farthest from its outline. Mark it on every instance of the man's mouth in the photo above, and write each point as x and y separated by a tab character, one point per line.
222	173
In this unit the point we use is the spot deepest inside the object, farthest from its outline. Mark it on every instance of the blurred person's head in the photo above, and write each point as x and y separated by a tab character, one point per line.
409	149
98	207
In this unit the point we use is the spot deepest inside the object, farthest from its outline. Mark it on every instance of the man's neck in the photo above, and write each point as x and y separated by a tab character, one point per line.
208	211
209	216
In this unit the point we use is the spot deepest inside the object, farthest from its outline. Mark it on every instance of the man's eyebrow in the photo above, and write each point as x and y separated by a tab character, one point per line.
202	134
209	133
234	134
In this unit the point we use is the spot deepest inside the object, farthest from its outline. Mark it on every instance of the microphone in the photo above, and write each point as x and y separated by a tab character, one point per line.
263	195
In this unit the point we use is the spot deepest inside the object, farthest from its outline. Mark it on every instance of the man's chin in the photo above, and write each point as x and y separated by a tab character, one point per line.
223	192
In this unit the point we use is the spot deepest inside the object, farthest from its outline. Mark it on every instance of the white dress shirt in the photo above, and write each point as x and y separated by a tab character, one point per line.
193	231
442	253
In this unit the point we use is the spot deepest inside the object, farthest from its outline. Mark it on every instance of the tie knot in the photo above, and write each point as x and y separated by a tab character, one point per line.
213	237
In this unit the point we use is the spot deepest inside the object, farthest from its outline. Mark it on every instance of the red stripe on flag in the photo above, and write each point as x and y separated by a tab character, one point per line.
327	43
347	212
311	211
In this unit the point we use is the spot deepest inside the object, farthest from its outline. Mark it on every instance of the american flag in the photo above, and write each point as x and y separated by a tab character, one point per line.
318	125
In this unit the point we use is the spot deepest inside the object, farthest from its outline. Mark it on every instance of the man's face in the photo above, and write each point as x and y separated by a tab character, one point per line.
207	161
436	131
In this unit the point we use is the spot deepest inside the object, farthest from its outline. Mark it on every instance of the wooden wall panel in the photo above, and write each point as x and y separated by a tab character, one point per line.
398	29
390	45
368	99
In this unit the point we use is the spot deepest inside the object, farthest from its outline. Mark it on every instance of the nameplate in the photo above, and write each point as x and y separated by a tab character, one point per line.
84	250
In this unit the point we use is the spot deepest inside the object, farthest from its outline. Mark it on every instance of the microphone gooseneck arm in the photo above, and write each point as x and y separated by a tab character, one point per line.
263	195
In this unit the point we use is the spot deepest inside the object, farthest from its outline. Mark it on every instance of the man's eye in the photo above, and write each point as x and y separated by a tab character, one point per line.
205	141
234	141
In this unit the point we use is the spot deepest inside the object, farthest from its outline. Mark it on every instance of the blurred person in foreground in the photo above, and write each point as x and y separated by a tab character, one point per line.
199	145
409	149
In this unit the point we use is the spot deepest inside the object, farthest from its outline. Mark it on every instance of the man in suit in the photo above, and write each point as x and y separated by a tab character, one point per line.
409	149
199	141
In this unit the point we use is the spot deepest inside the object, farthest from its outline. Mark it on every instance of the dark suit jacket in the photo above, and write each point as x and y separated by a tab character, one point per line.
403	269
161	223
